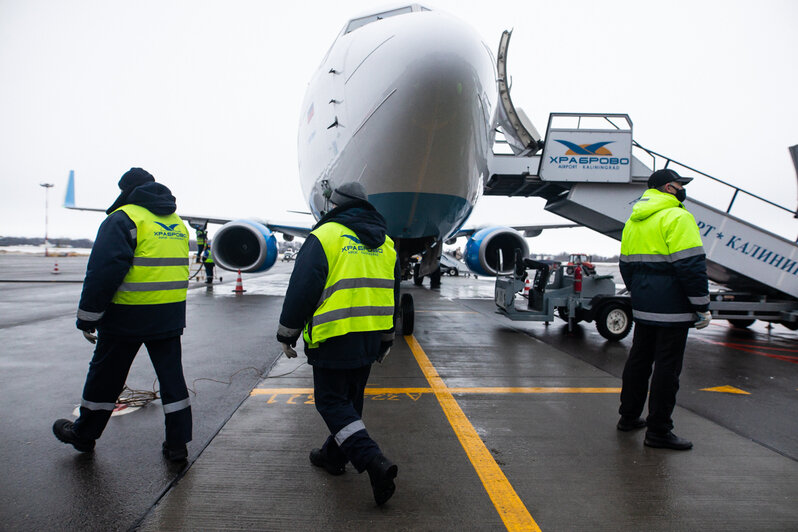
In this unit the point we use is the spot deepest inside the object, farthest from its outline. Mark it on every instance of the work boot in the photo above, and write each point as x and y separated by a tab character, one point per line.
667	440
626	424
64	430
382	472
175	453
319	459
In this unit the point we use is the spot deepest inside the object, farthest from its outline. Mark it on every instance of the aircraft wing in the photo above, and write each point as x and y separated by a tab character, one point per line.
527	230
193	220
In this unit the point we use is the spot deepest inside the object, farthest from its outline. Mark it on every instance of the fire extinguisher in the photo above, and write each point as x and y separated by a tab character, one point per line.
578	279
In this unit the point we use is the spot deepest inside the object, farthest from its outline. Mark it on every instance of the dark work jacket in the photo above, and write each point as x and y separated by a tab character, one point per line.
111	258
353	350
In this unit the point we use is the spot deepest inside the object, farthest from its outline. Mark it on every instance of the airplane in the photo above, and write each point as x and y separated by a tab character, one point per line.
406	102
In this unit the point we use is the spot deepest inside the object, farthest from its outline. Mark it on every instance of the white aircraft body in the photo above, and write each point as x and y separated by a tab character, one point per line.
406	103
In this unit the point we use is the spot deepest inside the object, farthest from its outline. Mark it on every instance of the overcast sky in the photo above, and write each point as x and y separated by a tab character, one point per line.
206	96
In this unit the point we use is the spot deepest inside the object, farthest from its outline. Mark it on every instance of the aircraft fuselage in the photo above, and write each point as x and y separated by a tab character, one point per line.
404	105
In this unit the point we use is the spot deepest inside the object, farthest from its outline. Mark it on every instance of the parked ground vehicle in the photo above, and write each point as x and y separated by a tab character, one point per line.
289	255
580	295
450	265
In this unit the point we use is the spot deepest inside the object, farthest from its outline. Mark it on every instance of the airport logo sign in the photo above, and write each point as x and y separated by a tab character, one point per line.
578	155
591	156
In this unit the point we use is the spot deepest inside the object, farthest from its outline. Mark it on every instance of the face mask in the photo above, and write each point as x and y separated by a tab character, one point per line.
681	195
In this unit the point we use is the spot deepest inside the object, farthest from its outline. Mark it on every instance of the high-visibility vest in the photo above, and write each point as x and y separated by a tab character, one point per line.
159	273
358	295
208	255
201	236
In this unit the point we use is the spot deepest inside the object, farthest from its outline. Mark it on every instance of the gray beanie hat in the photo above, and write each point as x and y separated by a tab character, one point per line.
349	192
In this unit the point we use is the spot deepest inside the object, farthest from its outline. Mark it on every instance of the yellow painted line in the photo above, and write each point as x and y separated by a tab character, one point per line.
509	506
461	390
500	389
726	389
279	391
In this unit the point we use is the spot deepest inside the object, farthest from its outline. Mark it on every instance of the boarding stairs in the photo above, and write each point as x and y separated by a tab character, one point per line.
590	170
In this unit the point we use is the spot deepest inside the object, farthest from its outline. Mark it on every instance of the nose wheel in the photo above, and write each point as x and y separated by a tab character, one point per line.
407	314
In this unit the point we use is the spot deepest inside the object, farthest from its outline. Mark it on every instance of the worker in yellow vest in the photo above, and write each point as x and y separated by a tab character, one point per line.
663	264
135	292
342	300
207	259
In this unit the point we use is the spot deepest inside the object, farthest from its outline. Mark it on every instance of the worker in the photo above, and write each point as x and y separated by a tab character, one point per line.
342	299
664	267
207	259
134	292
202	237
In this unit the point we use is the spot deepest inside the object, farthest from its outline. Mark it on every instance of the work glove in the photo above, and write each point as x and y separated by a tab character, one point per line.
289	351
703	319
92	338
385	348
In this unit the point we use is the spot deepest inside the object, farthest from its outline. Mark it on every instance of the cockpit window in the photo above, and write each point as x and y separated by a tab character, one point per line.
362	21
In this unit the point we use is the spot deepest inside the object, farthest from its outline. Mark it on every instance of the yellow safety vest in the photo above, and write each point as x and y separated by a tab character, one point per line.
358	295
159	273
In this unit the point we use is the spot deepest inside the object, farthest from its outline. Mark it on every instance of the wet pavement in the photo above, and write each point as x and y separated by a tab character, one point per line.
493	423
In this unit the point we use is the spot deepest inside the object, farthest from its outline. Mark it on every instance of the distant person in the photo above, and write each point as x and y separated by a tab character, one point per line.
135	292
664	267
207	259
202	237
342	299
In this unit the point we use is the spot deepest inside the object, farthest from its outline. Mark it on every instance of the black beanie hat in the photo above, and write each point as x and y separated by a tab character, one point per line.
131	179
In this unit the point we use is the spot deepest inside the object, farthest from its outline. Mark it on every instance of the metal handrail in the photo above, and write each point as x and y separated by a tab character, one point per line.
736	188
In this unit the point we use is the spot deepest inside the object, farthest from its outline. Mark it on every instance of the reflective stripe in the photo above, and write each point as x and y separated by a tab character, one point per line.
351	312
362	282
149	261
700	300
97	406
178	405
149	287
673	257
85	315
668	318
348	430
282	330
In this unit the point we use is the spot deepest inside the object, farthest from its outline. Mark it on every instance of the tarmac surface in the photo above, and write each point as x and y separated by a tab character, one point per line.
493	423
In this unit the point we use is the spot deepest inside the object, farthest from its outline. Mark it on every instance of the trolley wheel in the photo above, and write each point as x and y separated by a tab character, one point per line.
614	321
741	323
407	313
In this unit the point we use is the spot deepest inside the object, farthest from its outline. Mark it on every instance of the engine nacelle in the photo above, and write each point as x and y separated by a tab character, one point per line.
244	245
486	245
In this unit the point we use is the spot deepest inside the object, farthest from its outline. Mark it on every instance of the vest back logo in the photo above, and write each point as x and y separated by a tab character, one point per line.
358	247
167	227
169	231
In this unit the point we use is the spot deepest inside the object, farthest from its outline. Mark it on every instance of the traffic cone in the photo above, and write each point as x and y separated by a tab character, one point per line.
239	287
55	268
527	286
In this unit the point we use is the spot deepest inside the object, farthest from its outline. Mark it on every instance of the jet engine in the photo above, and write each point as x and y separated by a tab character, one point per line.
244	245
491	251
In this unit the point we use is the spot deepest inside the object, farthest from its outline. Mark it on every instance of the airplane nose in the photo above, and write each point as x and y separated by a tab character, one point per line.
429	126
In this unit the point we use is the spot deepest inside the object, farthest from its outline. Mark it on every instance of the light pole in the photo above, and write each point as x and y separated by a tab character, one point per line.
47	187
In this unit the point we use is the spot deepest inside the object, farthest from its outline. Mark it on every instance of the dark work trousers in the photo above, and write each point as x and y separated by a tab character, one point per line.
662	348
209	272
338	395
108	371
